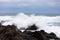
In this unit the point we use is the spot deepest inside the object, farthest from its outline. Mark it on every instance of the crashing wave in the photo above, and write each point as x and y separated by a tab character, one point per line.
47	23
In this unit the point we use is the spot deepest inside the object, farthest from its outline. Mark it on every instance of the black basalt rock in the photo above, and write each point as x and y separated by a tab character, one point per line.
33	27
11	32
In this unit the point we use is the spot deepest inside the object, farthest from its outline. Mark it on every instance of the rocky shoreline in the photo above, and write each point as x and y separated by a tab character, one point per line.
11	32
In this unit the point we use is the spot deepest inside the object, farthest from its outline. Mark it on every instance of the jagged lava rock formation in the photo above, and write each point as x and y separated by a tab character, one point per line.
10	32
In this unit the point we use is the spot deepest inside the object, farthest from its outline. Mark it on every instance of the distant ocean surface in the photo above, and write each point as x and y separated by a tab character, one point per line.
45	22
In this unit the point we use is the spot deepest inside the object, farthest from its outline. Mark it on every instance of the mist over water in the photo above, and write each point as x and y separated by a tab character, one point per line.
21	20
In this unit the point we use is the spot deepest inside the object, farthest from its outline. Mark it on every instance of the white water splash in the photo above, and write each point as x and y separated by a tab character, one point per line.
47	23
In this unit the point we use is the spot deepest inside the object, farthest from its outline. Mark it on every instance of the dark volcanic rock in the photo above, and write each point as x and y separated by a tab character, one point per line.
10	32
42	35
33	27
37	34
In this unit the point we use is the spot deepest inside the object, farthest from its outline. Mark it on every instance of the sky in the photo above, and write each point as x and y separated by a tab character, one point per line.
30	6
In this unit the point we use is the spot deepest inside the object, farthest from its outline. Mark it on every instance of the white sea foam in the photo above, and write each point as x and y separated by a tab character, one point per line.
47	23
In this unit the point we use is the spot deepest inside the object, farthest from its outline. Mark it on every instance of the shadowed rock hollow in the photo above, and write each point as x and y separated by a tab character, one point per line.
10	32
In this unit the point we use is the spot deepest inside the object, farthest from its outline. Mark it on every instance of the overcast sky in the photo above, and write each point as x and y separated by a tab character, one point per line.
30	6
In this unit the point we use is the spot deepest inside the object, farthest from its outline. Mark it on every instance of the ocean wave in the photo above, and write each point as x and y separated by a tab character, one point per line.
21	20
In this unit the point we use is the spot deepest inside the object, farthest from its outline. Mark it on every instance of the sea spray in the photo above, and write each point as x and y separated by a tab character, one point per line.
47	23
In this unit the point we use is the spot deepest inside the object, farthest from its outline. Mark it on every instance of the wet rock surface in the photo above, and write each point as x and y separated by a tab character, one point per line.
10	32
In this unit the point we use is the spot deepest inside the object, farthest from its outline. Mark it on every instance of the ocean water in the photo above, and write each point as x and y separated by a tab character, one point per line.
21	20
